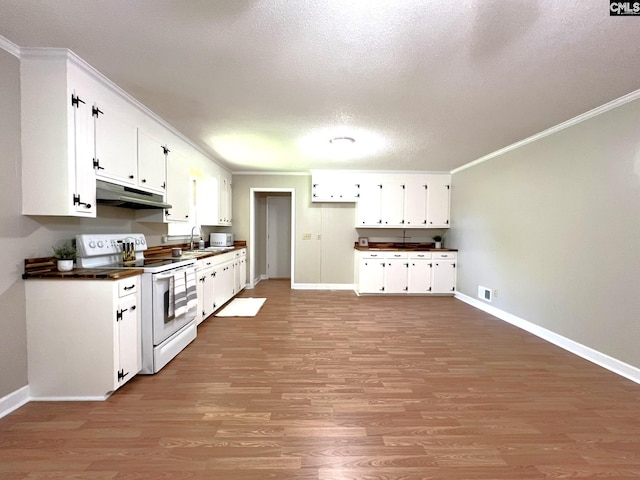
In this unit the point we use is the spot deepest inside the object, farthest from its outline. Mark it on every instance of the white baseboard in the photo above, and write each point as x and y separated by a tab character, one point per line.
14	400
97	398
616	366
323	286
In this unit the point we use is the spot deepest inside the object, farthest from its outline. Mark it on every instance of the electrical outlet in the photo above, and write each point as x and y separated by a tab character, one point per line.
306	236
495	292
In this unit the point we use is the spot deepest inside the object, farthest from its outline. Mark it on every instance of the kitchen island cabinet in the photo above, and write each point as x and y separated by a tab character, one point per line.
83	335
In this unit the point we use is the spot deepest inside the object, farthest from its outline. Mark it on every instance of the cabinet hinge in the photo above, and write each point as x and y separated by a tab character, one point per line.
425	186
448	187
164	185
165	149
95	111
76	101
96	164
119	314
122	374
403	186
453	265
380	185
315	185
76	201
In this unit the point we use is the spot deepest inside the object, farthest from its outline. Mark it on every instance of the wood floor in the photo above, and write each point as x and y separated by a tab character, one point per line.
330	386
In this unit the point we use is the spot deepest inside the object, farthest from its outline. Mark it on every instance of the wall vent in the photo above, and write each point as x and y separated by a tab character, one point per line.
485	294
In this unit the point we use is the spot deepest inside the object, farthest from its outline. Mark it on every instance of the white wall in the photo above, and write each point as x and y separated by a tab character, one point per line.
554	226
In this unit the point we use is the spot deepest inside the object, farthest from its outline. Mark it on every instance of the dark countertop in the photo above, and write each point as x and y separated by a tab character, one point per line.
45	268
51	273
406	247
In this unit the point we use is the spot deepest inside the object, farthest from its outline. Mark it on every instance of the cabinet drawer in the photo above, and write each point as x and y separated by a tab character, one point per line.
420	255
205	263
128	286
444	255
392	255
372	255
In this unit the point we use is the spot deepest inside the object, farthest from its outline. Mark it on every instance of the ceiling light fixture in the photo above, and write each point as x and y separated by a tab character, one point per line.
342	140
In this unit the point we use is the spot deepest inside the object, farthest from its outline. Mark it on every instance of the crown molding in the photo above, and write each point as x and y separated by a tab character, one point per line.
618	102
9	47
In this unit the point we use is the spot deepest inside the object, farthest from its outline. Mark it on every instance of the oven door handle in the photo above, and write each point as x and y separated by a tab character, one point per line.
173	272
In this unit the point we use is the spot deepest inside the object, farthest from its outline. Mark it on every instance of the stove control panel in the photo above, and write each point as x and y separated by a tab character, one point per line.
93	245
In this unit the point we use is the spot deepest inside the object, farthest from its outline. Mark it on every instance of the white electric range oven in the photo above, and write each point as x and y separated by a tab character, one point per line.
168	292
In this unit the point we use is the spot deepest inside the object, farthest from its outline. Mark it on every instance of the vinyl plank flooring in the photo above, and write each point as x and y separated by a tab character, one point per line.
330	386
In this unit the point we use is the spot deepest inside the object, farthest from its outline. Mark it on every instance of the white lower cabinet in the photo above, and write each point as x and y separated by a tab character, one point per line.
220	278
444	272
420	272
205	277
370	278
83	335
393	272
240	270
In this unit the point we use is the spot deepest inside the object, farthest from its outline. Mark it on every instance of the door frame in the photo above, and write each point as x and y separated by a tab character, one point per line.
252	230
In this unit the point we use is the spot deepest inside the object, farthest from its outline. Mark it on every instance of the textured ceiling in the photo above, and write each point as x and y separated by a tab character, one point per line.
420	85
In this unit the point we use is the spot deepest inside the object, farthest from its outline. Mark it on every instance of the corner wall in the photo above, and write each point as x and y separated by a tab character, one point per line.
554	227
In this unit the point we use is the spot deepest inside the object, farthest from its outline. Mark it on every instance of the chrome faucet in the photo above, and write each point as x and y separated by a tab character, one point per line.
200	236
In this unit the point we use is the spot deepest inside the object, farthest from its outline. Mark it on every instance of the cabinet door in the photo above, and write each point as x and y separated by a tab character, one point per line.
393	199
223	284
208	296
115	143
334	186
84	197
207	200
226	195
243	272
395	275
420	275
129	361
438	197
370	203
177	187
371	278
444	276
152	163
415	212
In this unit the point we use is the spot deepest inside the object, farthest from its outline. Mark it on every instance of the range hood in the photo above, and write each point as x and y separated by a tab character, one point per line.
127	197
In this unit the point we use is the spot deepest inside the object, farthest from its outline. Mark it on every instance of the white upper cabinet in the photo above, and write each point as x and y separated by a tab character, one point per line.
208	197
393	200
77	127
404	200
152	162
438	201
178	187
334	186
370	202
115	138
225	189
416	204
57	138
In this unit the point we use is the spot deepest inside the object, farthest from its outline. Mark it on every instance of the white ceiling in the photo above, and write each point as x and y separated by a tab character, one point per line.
420	84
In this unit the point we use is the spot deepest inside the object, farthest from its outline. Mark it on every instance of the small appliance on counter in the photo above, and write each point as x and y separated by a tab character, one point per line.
221	239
